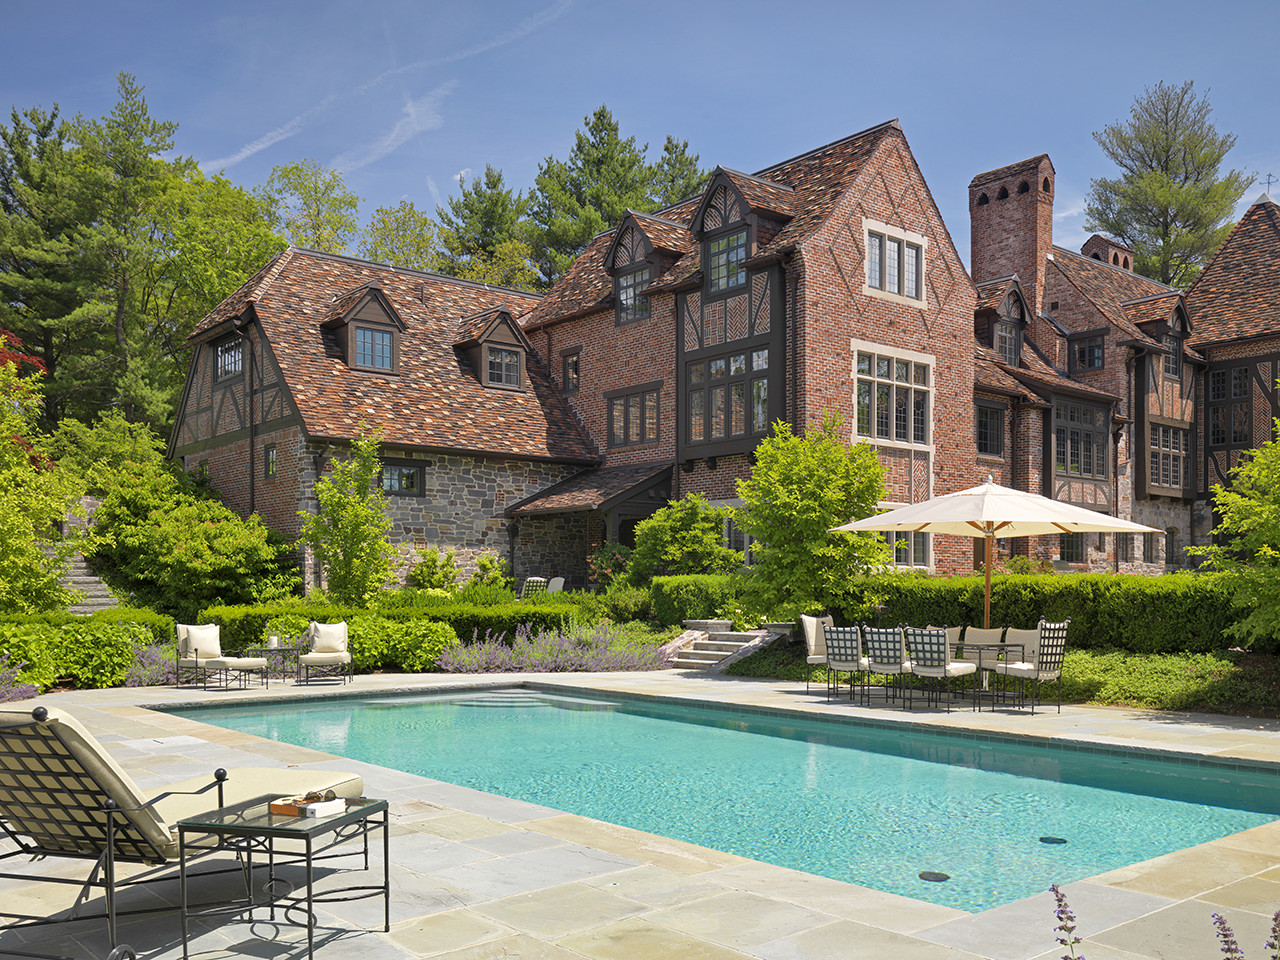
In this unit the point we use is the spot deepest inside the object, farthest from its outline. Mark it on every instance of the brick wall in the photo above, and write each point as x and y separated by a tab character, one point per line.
1014	235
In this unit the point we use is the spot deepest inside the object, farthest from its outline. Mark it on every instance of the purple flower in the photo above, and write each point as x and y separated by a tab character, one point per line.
1066	927
1228	937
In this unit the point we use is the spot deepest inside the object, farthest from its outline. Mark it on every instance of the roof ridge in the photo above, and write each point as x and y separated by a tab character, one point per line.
410	272
650	216
1154	296
758	179
827	146
272	271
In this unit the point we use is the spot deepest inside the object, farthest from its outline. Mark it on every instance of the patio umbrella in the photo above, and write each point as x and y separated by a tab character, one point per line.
990	511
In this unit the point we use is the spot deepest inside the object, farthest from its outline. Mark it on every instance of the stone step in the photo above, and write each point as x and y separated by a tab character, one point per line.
717	646
690	661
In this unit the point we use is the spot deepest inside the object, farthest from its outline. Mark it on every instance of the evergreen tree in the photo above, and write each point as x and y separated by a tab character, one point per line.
510	265
402	236
312	205
1171	202
486	215
676	175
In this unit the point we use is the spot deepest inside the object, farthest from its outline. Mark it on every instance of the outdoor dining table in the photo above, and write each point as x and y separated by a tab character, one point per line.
988	653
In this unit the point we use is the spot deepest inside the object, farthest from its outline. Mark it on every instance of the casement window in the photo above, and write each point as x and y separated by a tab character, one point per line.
1228	411
1148	548
1170	452
1085	353
990	424
895	261
571	371
632	304
228	359
893	397
728	396
375	349
633	415
503	366
1124	547
1080	435
401	481
725	256
909	549
1007	340
269	461
1173	359
1071	547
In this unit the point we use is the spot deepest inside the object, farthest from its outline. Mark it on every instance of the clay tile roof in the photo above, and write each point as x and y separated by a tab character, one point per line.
1238	293
988	372
1153	309
585	286
470	328
1012	170
253	288
591	489
665	234
436	401
991	293
760	194
1109	288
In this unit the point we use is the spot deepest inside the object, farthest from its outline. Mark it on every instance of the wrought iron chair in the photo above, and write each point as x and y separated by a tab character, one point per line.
1041	662
844	655
200	660
329	656
532	587
887	656
931	659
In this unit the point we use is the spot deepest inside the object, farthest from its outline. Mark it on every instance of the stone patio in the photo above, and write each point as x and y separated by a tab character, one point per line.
476	875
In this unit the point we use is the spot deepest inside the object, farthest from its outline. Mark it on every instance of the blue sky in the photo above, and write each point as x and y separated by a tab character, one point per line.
405	96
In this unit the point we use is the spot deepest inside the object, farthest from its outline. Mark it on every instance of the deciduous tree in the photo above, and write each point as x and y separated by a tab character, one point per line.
1171	203
402	236
685	536
312	205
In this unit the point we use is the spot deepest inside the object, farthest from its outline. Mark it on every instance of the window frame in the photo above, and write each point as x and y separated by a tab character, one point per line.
1072	548
1173	358
990	410
1085	340
1168	456
886	275
270	462
751	377
1098	429
910	549
627	284
517	358
731	270
356	328
1012	331
871	384
398	487
631	400
571	370
224	371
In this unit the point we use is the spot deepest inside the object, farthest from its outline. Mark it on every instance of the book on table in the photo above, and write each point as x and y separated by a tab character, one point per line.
302	807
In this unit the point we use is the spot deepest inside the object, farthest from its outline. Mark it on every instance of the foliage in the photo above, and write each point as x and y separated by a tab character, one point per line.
349	530
1248	544
1023	565
799	488
685	536
1171	203
604	176
594	649
98	453
509	265
492	571
412	646
1066	928
608	562
155	538
623	602
159	626
693	596
88	654
154	665
402	236
676	175
477	223
312	205
11	688
482	593
35	496
433	571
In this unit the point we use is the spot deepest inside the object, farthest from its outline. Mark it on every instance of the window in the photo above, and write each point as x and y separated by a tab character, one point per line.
1007	340
1071	547
1228	413
1173	359
228	360
401	481
269	461
1124	547
1086	354
1080	435
1170	451
990	431
909	549
1148	548
375	348
571	371
892	397
632	304
895	265
633	416
504	367
724	261
728	396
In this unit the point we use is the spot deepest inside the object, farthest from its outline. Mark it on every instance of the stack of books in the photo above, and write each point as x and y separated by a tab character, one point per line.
302	807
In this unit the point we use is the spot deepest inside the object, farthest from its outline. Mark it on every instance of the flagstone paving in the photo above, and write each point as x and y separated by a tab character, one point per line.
476	876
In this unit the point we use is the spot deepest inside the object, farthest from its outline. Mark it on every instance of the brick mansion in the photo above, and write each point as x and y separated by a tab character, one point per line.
535	426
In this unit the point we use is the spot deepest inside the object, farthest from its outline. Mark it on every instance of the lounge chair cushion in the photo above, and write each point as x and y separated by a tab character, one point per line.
234	663
204	639
324	659
814	638
328	637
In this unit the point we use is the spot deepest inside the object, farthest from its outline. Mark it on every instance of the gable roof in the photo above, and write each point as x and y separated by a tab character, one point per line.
1238	294
436	401
1109	288
816	181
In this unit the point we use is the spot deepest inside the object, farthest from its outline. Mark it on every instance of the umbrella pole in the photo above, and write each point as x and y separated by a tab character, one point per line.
986	607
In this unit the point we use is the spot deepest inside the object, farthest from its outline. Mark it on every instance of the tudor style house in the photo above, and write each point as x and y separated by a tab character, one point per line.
534	427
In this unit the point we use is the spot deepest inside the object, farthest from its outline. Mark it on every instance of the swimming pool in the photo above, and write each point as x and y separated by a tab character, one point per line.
869	804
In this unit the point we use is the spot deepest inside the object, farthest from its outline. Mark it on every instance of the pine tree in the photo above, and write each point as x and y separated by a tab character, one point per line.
486	215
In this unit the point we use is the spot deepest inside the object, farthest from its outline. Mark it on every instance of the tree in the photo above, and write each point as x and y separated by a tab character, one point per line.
1171	203
476	224
312	205
676	175
402	236
510	265
349	530
97	454
685	536
799	488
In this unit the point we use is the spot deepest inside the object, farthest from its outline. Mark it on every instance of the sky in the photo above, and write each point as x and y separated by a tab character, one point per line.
405	98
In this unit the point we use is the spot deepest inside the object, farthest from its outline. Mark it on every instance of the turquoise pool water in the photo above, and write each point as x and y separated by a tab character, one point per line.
867	804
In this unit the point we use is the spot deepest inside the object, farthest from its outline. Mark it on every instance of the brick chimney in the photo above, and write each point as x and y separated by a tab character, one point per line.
1011	225
1108	251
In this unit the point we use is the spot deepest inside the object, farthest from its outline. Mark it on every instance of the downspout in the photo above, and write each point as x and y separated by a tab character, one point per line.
242	328
513	530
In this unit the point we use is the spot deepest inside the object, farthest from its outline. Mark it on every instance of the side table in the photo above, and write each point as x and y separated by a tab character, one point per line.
282	661
249	827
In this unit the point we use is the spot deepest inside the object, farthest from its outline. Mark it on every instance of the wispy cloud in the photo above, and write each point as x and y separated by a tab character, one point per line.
435	191
521	30
418	117
462	175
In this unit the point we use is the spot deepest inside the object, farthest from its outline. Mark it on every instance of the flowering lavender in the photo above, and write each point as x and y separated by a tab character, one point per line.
10	688
1230	947
595	649
153	665
1273	944
1066	927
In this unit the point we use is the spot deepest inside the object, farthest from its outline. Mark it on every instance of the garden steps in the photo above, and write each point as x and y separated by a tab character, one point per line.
96	595
713	650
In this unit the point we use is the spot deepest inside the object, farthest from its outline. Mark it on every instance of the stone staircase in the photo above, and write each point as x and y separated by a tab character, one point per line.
712	645
96	595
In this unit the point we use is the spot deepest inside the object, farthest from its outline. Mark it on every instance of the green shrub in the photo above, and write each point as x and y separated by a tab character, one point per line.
623	603
684	537
485	593
433	571
158	624
492	571
87	654
692	596
608	563
413	646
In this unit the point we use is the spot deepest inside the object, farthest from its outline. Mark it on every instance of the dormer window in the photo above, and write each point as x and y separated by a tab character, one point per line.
1173	359
228	359
1007	341
367	329
632	304
375	348
725	256
504	367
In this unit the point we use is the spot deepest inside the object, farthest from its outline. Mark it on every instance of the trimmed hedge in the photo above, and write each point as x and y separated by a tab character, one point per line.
1167	614
88	654
694	596
158	624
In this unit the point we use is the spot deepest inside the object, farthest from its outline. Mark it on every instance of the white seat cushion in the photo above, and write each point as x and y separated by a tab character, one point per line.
236	663
324	659
861	664
956	668
1017	669
203	640
328	637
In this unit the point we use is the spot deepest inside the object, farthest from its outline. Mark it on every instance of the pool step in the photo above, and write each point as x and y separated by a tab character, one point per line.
715	650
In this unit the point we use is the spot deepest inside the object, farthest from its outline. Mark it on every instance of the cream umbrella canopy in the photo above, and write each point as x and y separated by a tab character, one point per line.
990	511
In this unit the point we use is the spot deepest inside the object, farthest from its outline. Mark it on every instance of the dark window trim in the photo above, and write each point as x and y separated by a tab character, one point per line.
642	390
218	375
565	355
352	332
748	233
1077	338
622	319
401	465
270	462
1079	551
1000	409
1099	430
1016	327
1173	357
520	362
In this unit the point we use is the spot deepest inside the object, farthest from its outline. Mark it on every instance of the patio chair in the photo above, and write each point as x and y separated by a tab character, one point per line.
62	795
200	660
1042	663
931	658
555	584
886	655
844	655
532	587
329	657
815	642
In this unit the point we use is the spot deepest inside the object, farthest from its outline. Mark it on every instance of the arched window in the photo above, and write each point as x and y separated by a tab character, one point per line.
983	200
1024	187
1115	259
1045	186
1126	263
1003	194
